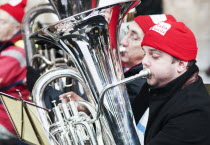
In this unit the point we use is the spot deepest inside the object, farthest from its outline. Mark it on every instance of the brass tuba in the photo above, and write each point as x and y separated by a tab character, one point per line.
90	39
42	57
46	56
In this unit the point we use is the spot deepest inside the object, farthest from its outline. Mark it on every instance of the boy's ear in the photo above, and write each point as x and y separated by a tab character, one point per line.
182	66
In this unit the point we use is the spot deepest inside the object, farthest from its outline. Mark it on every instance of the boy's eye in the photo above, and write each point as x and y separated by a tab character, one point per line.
155	56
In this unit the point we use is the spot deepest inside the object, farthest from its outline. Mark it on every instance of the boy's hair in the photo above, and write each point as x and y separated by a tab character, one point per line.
189	63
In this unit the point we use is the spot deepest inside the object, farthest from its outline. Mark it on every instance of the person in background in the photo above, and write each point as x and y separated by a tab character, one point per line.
173	107
132	53
12	63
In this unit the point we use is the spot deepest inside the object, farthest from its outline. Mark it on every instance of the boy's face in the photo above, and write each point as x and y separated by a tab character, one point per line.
132	44
162	65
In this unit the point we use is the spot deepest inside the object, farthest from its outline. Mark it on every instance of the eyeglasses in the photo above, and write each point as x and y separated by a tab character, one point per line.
132	36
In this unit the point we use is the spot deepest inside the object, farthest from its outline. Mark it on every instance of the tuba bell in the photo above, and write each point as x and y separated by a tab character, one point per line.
90	40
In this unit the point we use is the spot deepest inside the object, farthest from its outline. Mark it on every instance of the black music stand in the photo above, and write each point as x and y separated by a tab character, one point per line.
23	115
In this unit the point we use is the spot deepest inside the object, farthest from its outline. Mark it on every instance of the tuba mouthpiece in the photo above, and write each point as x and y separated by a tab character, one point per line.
145	73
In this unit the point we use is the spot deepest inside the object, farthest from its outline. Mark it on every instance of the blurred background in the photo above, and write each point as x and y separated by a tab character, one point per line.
194	13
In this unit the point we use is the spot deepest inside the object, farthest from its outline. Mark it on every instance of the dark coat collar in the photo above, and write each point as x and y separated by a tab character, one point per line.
160	95
168	90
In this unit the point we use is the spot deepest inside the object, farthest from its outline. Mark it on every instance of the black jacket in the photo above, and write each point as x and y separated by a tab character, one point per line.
179	111
134	87
5	45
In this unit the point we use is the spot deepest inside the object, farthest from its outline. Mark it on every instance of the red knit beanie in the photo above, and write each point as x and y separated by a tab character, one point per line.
147	21
174	38
15	8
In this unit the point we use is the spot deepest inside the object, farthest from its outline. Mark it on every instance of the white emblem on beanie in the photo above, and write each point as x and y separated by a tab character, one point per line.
158	18
161	28
14	2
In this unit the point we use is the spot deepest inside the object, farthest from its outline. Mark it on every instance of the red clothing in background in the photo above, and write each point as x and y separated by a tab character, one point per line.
12	72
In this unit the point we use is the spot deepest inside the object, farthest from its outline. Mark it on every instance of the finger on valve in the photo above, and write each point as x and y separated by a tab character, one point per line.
70	96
